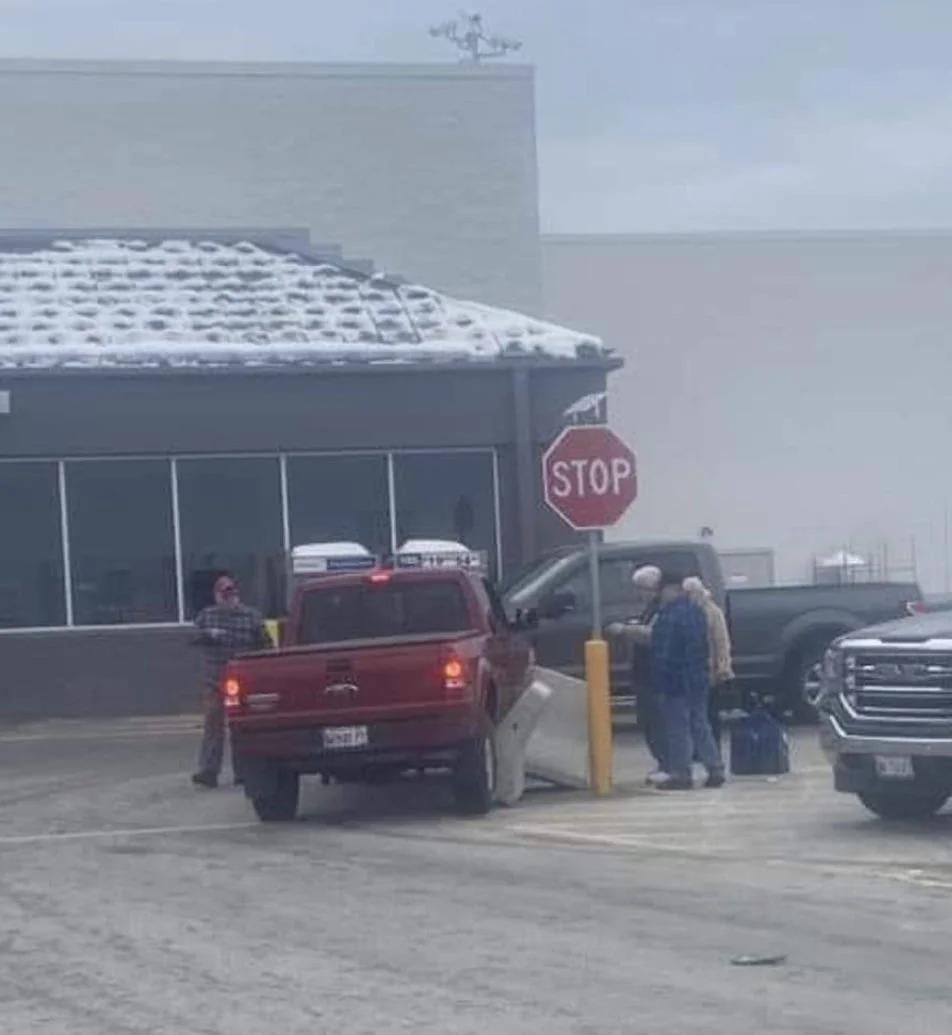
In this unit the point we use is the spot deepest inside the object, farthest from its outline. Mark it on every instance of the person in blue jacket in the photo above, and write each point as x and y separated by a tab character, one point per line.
680	674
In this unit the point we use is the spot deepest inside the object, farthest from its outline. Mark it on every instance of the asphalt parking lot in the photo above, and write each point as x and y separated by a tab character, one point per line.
132	903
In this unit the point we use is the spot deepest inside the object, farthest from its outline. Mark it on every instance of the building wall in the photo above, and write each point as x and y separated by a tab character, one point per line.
244	420
114	413
430	171
788	391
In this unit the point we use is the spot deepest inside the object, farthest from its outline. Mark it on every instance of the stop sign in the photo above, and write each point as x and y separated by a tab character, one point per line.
589	477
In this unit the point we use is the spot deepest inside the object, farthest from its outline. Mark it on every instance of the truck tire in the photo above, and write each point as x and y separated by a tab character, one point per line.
280	804
474	777
914	804
801	677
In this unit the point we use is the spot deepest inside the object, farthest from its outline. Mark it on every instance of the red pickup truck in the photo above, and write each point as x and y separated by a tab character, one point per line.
381	672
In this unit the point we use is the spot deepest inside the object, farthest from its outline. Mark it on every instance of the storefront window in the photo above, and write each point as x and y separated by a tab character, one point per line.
447	496
230	520
121	545
334	498
31	546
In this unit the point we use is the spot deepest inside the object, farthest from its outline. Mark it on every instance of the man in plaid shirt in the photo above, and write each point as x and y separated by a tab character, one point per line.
225	629
680	675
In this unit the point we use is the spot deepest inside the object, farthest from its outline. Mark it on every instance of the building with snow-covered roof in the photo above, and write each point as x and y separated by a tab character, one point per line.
184	402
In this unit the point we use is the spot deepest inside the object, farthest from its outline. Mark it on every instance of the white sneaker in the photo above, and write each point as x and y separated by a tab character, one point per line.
657	776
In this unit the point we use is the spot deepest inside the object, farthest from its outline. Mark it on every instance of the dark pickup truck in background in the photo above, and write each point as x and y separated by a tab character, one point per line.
779	634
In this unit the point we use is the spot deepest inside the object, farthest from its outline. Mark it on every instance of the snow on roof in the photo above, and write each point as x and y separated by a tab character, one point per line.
120	302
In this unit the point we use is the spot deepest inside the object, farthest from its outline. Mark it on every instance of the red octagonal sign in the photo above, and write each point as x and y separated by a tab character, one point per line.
590	477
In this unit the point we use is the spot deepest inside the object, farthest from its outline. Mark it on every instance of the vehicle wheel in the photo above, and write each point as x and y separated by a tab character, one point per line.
904	805
281	803
474	777
802	683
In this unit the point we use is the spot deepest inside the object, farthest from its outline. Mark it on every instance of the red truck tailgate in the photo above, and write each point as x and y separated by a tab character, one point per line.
353	682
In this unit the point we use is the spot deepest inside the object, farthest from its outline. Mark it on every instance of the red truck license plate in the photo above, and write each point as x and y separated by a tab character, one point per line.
338	737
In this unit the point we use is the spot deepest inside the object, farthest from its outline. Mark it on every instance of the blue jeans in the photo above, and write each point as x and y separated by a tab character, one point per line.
689	735
651	721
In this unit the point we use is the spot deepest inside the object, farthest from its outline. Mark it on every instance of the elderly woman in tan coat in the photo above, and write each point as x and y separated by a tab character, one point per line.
719	648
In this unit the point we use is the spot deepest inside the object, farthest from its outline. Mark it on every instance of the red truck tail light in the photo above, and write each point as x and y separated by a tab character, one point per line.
916	607
232	692
455	675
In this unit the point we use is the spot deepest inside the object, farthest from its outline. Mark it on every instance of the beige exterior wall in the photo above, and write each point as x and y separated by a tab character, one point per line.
428	170
790	391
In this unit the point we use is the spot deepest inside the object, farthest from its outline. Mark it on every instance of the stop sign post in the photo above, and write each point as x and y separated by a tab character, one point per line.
590	479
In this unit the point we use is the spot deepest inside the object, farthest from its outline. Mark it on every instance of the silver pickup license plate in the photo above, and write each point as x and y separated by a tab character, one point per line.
342	737
895	767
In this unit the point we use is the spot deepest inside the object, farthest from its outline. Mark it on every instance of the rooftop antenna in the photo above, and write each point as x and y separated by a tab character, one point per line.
468	34
590	409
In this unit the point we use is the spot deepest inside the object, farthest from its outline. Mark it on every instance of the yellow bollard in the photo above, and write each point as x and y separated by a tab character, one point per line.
273	626
599	716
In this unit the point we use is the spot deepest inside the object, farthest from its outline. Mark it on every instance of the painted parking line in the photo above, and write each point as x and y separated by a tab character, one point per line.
774	816
90	835
132	733
765	852
919	878
611	840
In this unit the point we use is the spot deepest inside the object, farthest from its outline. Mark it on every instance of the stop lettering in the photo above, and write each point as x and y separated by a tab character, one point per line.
590	477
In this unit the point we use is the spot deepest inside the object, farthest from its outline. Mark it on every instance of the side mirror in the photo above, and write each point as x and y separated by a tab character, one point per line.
557	604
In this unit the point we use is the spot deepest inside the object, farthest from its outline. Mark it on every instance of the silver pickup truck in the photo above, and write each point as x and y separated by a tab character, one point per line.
885	704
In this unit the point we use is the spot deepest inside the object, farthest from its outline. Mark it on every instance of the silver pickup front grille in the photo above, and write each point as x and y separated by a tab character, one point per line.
900	686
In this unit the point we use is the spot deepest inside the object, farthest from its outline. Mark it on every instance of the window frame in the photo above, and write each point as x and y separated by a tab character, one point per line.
58	553
182	463
159	462
287	489
171	461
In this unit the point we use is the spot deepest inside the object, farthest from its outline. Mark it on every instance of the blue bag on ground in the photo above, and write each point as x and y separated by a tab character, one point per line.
759	746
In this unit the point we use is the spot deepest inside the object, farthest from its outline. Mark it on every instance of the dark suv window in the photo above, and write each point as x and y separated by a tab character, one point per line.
616	573
615	577
367	611
683	563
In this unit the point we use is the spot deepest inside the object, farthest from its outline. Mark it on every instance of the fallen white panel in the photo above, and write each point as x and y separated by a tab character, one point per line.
512	735
558	748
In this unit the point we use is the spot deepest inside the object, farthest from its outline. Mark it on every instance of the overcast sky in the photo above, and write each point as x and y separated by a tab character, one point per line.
654	115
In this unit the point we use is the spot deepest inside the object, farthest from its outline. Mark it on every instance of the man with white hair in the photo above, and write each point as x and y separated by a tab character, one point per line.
646	581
